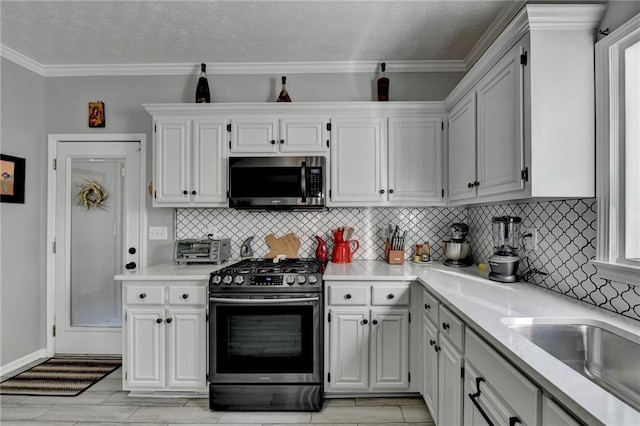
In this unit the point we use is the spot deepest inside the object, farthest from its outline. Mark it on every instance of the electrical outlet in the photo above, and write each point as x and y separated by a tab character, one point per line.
531	242
158	233
212	231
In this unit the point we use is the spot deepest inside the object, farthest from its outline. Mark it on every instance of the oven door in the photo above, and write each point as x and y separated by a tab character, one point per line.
265	338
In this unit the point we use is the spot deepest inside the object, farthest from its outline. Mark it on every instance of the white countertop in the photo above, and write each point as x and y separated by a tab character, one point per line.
173	271
482	304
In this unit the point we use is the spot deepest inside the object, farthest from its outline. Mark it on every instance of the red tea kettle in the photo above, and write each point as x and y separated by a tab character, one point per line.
322	251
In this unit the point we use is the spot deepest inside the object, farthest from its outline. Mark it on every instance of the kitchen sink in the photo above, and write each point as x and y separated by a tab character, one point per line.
607	356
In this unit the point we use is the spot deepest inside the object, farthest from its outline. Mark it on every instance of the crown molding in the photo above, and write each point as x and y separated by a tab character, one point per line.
565	16
22	60
335	67
495	29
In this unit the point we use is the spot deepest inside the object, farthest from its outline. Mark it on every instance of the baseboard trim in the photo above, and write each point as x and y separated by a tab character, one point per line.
21	362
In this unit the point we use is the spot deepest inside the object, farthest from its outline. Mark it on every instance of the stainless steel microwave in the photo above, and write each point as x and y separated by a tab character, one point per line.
277	183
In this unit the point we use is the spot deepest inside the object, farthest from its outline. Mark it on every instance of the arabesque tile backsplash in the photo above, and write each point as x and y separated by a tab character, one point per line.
567	231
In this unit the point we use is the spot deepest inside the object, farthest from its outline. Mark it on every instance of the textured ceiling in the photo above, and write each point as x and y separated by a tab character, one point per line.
168	32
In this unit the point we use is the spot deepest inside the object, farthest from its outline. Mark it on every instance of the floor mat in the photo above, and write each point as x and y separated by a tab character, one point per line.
62	376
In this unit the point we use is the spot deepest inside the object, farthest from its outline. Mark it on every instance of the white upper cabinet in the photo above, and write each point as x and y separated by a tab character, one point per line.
415	160
258	134
527	109
189	161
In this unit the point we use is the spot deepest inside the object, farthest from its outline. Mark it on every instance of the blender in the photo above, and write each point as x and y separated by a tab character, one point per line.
505	260
456	249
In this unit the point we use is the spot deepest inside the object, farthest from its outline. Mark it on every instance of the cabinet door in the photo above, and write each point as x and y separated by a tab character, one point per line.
145	334
186	346
430	365
500	126
449	384
254	134
462	149
303	135
415	160
554	414
172	157
389	349
358	171
349	349
209	168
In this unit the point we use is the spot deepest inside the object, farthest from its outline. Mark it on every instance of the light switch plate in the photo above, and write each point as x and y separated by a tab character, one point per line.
158	233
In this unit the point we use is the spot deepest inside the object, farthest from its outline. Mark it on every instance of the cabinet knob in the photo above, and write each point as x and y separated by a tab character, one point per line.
390	296
382	191
130	265
470	185
347	296
437	348
445	326
194	192
273	142
374	322
169	320
427	307
391	191
432	342
132	250
142	295
159	320
365	322
281	141
185	296
476	183
185	192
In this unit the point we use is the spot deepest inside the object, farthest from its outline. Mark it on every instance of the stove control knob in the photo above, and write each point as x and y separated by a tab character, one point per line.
301	279
313	279
227	279
216	279
290	279
238	279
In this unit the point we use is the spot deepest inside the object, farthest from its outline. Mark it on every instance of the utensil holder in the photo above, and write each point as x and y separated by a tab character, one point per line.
393	257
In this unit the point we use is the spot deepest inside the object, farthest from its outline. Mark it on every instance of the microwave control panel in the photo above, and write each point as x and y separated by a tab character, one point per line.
314	182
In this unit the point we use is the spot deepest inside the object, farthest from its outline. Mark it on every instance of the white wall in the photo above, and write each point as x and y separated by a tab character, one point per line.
23	226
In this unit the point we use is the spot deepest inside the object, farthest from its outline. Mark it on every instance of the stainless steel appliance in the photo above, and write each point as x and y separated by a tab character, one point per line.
202	251
265	336
277	183
506	236
457	248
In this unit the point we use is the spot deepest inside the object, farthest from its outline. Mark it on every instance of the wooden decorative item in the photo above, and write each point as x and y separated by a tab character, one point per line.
287	245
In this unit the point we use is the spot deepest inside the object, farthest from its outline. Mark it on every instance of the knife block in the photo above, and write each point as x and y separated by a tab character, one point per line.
393	257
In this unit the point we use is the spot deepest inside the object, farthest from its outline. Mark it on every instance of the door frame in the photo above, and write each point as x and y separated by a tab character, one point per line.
53	140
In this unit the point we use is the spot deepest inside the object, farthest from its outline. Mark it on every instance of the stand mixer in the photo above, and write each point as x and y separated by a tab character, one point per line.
457	248
505	260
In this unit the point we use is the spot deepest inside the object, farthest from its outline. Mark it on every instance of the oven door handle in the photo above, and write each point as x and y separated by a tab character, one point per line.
263	301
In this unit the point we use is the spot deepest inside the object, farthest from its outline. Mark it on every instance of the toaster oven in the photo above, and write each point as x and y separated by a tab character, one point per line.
202	251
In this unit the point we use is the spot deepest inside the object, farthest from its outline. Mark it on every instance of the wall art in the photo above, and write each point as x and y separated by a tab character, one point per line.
96	114
12	172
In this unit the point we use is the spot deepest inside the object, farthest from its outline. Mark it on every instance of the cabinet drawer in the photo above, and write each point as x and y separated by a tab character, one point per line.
451	326
430	306
522	396
390	295
145	295
348	295
188	295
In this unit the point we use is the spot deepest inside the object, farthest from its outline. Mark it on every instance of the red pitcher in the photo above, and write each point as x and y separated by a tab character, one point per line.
343	250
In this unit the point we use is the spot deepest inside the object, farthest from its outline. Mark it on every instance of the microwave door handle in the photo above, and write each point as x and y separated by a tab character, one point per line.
303	181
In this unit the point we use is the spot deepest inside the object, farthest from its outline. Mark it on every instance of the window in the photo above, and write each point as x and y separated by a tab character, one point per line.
618	153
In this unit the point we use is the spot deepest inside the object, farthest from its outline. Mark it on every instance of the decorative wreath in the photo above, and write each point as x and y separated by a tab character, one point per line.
92	195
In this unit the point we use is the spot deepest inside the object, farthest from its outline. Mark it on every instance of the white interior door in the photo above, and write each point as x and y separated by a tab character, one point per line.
97	235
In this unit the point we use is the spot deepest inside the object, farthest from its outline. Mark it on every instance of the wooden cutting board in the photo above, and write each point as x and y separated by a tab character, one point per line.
287	245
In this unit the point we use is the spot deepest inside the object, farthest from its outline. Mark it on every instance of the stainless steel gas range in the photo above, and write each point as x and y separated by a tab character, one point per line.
265	336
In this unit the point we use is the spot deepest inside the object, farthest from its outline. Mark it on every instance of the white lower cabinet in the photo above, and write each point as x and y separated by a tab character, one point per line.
442	358
367	338
164	337
554	414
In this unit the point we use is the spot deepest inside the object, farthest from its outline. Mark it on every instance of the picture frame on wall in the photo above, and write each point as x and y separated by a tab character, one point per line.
96	114
12	174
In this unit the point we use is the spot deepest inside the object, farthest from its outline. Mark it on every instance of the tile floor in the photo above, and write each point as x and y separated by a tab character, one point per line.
105	404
